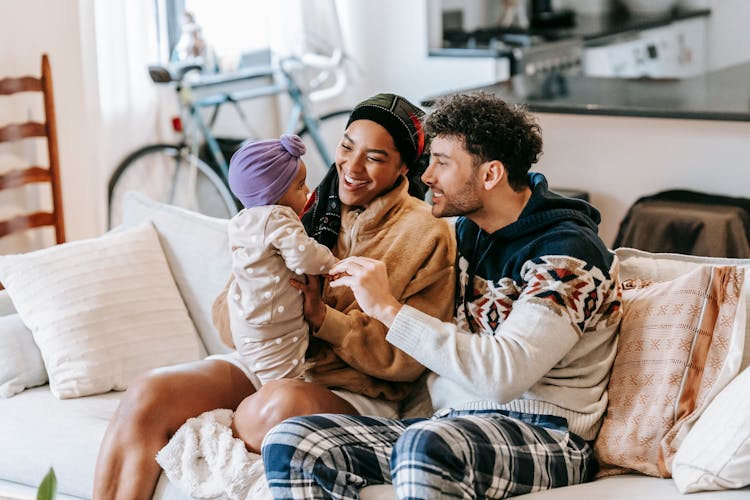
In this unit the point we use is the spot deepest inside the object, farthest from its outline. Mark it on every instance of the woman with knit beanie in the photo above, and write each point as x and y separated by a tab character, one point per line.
362	207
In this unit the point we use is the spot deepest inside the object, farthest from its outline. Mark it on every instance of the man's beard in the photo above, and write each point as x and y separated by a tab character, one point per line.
463	202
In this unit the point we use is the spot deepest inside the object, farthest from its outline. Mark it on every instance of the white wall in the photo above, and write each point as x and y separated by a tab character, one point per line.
728	33
388	40
619	159
27	29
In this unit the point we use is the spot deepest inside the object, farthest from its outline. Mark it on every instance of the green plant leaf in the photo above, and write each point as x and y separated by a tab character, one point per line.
48	489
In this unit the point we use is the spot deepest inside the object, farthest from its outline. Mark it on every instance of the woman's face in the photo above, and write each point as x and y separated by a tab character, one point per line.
368	163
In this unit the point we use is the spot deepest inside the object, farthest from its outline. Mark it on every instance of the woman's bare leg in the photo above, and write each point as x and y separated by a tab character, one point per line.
150	412
278	400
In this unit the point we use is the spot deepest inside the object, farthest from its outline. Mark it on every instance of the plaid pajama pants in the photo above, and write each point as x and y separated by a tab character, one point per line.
459	454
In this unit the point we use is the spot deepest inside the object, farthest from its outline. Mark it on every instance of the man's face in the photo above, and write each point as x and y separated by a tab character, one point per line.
453	178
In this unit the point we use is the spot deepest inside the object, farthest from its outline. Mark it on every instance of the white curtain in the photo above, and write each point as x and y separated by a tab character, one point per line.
132	110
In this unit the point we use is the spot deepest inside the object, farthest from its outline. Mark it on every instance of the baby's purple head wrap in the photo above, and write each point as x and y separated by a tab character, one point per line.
261	172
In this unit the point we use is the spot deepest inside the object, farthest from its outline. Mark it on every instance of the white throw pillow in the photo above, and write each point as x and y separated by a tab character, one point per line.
101	310
715	454
21	364
197	249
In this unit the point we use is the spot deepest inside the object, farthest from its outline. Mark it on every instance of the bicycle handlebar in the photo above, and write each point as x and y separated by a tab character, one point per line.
173	72
320	62
330	66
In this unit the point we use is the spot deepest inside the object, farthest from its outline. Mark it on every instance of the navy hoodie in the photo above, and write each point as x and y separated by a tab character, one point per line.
549	225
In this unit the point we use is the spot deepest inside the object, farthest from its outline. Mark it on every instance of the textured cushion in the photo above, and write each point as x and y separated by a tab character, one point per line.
625	487
21	364
678	347
101	310
637	264
716	452
6	305
38	431
197	249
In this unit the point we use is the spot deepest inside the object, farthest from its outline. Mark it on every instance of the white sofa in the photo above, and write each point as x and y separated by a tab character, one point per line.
37	430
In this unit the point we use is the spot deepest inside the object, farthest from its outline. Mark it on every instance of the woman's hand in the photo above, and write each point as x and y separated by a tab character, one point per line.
368	279
314	309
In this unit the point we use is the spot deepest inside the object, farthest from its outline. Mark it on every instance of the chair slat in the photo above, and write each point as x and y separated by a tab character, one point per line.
10	86
42	128
16	131
28	221
19	177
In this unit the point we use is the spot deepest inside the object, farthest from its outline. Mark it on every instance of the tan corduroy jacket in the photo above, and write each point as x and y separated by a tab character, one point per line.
419	251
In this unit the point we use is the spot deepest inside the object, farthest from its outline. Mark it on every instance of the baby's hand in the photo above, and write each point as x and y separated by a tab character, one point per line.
335	276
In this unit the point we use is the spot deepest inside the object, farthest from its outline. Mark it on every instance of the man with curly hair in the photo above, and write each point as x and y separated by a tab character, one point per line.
519	377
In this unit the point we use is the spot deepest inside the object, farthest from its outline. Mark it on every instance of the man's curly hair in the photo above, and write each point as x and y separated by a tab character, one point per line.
490	129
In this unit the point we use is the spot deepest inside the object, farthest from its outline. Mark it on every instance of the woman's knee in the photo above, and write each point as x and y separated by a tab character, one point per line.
279	400
284	398
145	401
271	404
164	398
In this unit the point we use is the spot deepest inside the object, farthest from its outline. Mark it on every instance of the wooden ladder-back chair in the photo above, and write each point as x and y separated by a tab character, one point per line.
34	174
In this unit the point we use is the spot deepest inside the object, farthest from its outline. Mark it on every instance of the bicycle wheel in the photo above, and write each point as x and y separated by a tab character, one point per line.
331	128
169	174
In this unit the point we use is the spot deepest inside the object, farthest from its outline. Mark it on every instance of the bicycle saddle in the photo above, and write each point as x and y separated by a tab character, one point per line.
171	73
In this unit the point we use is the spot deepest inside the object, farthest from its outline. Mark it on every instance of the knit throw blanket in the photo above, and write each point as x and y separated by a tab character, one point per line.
204	460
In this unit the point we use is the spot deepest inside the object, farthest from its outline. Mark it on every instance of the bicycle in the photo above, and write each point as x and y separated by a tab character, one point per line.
174	173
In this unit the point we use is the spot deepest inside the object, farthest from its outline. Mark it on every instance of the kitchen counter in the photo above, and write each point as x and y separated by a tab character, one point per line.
591	29
718	95
594	29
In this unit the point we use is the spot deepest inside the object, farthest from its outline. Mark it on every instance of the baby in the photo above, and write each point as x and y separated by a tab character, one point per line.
270	247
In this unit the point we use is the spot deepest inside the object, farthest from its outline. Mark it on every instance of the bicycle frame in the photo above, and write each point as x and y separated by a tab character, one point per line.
299	114
204	186
192	107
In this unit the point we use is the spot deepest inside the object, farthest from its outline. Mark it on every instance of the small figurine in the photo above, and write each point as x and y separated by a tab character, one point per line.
191	45
514	14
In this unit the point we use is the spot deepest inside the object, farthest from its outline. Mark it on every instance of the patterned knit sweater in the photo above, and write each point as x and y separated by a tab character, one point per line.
538	305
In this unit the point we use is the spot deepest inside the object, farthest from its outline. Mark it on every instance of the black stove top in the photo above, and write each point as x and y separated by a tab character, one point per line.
585	27
492	37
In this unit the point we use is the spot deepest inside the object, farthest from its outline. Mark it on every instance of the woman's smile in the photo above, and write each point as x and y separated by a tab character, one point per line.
354	182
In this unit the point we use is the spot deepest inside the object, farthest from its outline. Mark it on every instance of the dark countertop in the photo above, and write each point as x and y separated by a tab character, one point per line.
718	95
592	29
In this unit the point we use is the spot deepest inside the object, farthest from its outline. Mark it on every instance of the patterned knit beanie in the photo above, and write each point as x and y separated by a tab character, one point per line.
400	118
261	172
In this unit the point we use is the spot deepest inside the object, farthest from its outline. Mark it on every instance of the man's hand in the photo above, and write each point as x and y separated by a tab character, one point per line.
314	309
368	279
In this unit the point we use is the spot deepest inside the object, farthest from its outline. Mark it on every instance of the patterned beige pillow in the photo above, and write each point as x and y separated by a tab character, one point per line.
680	343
